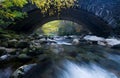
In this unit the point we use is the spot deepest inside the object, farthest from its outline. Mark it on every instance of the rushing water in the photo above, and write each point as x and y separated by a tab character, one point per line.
5	73
70	69
114	57
73	70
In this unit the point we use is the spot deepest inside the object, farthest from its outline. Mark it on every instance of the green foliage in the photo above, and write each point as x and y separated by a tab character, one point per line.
60	27
8	13
53	6
50	28
69	28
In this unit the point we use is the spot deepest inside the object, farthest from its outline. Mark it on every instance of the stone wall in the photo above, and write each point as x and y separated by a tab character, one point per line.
106	9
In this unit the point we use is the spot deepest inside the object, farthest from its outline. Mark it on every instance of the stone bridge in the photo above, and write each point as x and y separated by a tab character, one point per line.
101	17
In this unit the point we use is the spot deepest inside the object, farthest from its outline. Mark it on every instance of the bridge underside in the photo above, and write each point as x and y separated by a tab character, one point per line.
88	20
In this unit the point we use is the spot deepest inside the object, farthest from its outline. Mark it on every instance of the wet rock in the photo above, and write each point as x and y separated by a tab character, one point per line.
83	42
23	44
102	43
68	37
43	41
75	42
35	44
4	36
4	44
116	47
19	73
12	43
41	70
30	38
35	35
35	51
4	57
25	50
24	58
13	40
40	36
94	42
14	52
2	50
10	50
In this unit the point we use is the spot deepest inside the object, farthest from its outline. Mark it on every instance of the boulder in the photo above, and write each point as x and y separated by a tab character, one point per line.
83	42
12	43
4	44
5	57
75	42
35	51
19	73
2	50
102	43
23	58
68	37
94	42
23	44
10	50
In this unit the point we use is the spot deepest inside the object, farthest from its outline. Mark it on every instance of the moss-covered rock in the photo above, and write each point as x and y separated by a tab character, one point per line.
22	44
12	43
2	50
4	44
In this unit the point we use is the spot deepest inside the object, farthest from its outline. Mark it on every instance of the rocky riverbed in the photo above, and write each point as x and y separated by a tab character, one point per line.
21	55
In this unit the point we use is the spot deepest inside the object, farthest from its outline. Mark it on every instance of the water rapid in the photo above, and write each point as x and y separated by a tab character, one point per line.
73	70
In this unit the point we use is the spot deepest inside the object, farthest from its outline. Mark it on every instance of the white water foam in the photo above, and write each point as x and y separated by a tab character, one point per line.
85	71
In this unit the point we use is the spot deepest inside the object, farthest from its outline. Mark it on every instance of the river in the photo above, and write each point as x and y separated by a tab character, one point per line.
88	61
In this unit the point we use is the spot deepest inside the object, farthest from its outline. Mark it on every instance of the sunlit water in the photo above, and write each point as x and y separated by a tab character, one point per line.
73	70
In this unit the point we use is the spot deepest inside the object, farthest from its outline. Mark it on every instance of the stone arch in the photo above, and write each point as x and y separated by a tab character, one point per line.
100	16
95	24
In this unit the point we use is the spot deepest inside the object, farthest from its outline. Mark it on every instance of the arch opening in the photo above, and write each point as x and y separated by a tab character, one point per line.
61	28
